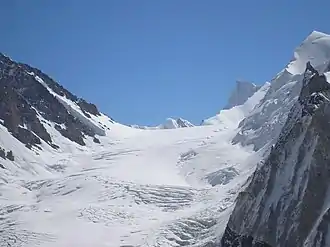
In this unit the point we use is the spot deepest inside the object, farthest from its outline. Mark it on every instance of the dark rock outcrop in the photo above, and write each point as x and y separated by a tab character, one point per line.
60	90
2	153
24	100
10	155
96	140
88	107
287	201
17	112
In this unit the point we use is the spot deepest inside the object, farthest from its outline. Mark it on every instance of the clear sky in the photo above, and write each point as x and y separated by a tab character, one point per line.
143	61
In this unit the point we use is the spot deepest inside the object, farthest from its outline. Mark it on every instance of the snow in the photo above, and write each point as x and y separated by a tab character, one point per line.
264	123
232	117
170	123
140	187
315	48
75	110
327	75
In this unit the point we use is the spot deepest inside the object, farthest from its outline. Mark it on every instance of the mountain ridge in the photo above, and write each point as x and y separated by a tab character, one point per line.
30	96
170	123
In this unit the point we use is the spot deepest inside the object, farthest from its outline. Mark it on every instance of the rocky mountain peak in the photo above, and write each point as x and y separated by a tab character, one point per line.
315	90
31	102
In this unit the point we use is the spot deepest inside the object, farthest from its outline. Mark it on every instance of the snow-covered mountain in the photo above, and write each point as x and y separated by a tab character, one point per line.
286	202
267	119
31	102
238	112
242	92
71	176
170	123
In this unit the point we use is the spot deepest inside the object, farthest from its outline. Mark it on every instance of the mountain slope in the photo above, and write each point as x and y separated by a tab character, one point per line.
89	181
287	201
265	122
29	99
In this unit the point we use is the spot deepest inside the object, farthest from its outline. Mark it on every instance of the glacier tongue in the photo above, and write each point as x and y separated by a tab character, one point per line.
145	189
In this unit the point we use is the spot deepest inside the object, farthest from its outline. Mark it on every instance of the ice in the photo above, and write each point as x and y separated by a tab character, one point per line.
141	187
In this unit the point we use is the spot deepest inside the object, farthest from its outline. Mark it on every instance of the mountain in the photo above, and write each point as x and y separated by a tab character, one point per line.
286	201
253	175
170	123
71	176
267	119
176	123
239	111
242	92
32	103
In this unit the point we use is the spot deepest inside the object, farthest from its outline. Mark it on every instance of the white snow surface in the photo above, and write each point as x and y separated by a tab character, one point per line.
236	114
327	75
136	188
315	48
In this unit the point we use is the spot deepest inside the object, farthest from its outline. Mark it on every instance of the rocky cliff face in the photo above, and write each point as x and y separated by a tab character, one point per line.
29	100
287	202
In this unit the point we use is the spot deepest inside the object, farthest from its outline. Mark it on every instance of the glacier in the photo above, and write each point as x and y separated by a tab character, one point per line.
114	185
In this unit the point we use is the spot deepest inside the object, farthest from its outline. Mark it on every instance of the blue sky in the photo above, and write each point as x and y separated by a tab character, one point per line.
142	61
